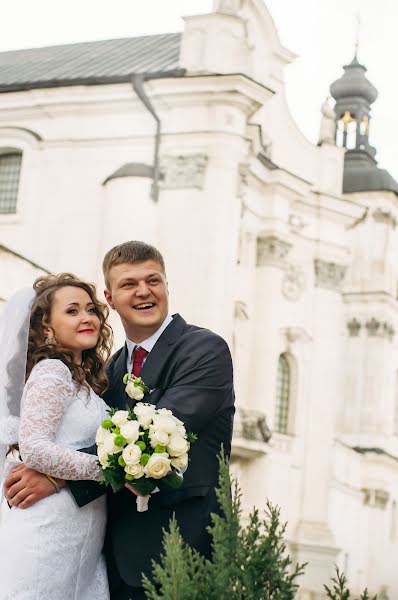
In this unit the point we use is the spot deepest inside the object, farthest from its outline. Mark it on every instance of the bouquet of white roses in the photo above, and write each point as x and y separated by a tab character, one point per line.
142	445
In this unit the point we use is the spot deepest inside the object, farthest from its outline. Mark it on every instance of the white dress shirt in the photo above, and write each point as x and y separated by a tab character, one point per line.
147	344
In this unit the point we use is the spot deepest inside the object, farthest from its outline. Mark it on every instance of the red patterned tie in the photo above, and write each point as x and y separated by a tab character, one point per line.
139	355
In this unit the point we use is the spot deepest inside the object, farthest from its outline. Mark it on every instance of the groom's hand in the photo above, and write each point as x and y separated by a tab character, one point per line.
24	487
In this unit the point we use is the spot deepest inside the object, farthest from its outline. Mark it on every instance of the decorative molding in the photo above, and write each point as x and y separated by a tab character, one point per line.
381	329
181	172
381	215
329	275
251	425
354	327
228	7
241	312
295	334
375	498
293	283
272	251
296	223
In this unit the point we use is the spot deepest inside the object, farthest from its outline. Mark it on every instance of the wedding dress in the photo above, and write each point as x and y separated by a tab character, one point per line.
53	550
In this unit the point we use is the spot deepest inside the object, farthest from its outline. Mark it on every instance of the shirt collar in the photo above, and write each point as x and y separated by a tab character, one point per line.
149	343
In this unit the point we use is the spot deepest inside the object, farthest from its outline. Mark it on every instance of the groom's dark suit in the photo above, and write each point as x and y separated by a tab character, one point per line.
190	370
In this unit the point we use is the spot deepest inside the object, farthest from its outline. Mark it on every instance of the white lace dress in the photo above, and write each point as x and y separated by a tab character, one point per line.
52	551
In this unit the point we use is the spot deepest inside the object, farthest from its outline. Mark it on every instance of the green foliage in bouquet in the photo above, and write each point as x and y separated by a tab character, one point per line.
248	562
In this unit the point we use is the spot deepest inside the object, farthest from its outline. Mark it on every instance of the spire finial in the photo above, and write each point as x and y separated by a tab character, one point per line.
358	30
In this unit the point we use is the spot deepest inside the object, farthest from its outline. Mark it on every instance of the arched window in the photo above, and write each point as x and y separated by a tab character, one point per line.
283	391
10	168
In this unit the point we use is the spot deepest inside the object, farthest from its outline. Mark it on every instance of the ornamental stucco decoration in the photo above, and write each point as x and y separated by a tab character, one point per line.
229	7
272	251
375	498
381	329
293	283
181	172
241	311
251	425
329	275
354	327
384	216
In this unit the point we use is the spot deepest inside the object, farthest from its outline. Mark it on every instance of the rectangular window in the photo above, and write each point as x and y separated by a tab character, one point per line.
10	169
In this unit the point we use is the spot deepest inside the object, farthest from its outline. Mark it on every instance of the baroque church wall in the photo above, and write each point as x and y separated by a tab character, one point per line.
261	246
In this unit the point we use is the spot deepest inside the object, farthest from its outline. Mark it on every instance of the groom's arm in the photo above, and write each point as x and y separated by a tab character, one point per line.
202	383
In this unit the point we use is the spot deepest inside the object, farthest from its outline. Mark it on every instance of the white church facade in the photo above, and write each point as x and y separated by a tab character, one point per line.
285	248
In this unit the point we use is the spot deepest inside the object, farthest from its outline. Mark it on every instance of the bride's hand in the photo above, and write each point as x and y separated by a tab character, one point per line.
24	487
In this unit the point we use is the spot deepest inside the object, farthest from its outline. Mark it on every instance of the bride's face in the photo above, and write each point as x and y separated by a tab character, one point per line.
73	322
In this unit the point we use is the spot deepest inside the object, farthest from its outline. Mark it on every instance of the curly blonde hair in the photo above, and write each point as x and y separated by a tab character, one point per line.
94	360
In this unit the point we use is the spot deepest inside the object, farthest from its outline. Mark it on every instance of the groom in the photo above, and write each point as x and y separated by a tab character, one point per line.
190	370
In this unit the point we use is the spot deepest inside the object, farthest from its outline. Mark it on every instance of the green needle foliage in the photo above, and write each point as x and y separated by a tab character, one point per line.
248	562
340	591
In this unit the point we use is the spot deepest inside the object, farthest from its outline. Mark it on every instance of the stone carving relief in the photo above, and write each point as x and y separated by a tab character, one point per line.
251	425
229	7
293	283
354	327
374	328
272	251
184	171
382	329
384	216
329	275
241	311
375	498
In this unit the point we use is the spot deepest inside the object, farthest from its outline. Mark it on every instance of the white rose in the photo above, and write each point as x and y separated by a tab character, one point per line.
177	445
120	417
181	430
130	431
134	391
103	456
135	470
160	438
165	423
180	462
144	413
131	454
158	466
165	411
109	445
101	435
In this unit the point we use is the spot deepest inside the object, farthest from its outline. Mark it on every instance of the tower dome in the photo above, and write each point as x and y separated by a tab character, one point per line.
354	94
354	84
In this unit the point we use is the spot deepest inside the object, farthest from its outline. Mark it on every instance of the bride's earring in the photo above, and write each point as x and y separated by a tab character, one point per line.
50	340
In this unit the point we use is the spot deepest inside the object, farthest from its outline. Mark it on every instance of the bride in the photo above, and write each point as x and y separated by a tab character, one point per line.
55	342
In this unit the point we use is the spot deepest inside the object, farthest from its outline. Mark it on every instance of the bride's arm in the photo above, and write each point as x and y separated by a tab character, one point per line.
49	392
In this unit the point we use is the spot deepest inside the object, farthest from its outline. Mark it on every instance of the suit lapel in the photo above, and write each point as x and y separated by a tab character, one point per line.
160	353
119	371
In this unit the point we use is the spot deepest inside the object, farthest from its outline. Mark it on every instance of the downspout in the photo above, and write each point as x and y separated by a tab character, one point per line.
137	82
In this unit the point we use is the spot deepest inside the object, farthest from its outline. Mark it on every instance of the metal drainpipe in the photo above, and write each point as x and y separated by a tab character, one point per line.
137	82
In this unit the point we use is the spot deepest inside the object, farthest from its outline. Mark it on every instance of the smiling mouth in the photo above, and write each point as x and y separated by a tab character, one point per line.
87	331
145	306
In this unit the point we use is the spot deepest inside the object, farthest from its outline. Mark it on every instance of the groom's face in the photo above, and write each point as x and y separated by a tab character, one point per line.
138	291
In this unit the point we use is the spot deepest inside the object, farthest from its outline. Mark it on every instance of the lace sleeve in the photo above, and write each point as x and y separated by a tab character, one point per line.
49	391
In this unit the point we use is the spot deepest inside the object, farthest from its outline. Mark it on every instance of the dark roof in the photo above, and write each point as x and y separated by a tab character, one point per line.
107	61
361	174
132	170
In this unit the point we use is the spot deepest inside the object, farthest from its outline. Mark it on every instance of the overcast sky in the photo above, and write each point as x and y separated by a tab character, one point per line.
321	32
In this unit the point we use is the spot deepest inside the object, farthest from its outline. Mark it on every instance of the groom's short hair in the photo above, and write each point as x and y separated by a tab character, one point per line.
130	252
